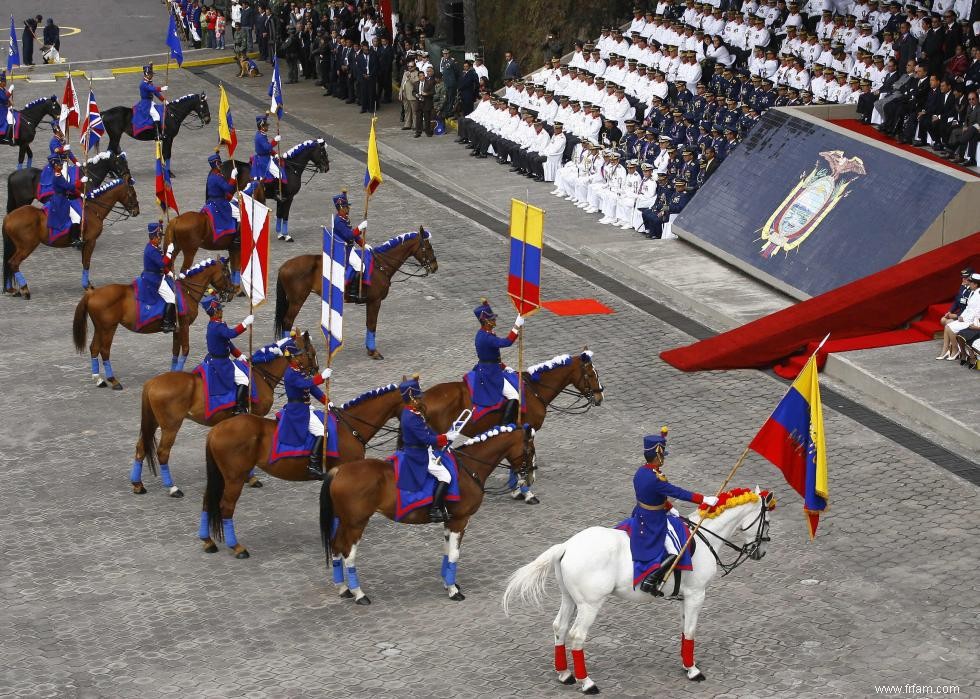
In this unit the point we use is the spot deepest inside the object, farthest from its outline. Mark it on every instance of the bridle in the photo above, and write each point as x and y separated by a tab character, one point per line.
583	399
346	418
526	472
744	552
117	214
199	287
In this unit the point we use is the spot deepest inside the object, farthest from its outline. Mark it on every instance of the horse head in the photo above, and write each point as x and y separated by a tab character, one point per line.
307	357
119	164
320	159
130	201
740	520
424	254
220	279
586	380
52	108
202	110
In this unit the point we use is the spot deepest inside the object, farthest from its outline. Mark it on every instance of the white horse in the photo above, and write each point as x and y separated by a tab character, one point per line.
596	563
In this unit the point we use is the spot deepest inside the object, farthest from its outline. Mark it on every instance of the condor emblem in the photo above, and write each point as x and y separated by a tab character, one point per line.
816	194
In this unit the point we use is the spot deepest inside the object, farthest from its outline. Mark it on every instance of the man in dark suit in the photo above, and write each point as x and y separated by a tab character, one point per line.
449	70
867	100
964	138
27	39
386	58
511	68
912	99
905	45
940	117
929	112
932	47
427	89
366	67
953	34
469	85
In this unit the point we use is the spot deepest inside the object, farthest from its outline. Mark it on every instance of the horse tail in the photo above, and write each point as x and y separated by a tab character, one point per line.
282	305
214	490
326	514
528	582
79	326
8	252
148	431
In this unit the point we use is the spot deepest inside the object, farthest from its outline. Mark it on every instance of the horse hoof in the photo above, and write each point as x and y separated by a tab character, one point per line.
242	555
210	547
363	601
375	354
254	482
591	690
698	677
533	500
458	597
346	594
138	488
176	492
101	384
26	294
116	386
570	680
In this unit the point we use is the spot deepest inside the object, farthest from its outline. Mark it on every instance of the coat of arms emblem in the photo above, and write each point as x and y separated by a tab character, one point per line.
816	194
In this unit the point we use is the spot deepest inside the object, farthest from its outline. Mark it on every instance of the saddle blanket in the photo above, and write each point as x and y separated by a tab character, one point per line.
146	313
471	381
142	122
411	500
677	533
354	265
283	450
222	220
223	399
4	126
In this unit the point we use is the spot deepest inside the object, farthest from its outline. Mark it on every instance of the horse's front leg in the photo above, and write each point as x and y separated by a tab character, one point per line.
456	529
180	346
692	607
234	264
370	338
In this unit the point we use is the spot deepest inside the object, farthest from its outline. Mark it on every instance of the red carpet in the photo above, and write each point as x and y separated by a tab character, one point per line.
577	307
864	313
872	132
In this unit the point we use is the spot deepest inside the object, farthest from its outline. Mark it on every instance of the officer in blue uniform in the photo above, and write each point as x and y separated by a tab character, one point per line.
6	109
265	167
218	193
418	440
489	368
299	387
58	146
689	168
341	227
156	265
58	205
648	539
220	349
145	112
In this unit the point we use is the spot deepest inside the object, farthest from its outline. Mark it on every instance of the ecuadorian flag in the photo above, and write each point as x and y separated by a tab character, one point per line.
372	175
226	126
526	242
793	440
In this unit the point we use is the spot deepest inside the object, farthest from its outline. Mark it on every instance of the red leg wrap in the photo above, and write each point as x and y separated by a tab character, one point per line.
578	661
687	651
561	660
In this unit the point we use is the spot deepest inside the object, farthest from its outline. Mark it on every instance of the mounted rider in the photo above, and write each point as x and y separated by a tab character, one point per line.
265	165
145	113
6	109
491	383
218	193
221	369
58	203
298	412
655	536
156	269
340	225
418	441
58	146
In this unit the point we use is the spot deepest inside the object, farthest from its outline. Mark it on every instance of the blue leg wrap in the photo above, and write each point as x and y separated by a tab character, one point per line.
445	562
84	278
525	490
168	482
251	474
30	162
20	279
173	362
95	365
336	566
285	226
278	225
512	480
202	531
136	474
168	166
107	365
450	576
236	277
369	341
181	362
352	581
20	166
229	526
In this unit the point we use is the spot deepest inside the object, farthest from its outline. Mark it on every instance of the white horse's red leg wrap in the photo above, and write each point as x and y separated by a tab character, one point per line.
578	663
687	651
561	660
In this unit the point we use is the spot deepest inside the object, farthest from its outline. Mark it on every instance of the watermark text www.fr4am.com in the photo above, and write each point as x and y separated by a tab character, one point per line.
916	690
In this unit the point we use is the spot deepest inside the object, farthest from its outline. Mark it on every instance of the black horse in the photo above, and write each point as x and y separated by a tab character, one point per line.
309	155
30	117
119	121
22	184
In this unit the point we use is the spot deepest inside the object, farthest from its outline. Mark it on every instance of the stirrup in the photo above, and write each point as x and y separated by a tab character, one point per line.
438	513
651	583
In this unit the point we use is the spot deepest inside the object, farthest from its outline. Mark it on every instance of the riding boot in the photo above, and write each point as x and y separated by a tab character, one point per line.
315	468
354	290
651	583
437	511
76	237
241	399
510	412
169	322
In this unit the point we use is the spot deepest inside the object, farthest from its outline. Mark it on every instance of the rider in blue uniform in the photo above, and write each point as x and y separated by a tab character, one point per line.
265	166
145	112
218	194
650	535
156	265
220	348
418	440
299	388
489	369
340	225
59	206
6	109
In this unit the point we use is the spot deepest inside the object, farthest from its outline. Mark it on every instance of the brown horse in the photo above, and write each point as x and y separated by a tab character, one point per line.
27	227
116	304
354	491
236	446
170	398
300	276
575	375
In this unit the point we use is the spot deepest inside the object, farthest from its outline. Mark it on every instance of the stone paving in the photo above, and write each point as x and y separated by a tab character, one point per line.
107	594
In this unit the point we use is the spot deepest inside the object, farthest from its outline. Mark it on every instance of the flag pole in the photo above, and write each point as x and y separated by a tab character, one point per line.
520	330
81	223
68	120
251	275
326	383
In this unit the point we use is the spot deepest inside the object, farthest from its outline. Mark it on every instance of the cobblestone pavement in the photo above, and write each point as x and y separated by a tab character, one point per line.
108	594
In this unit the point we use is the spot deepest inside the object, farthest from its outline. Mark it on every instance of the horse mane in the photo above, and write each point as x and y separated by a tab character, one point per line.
106	187
188	96
300	147
379	391
535	370
264	355
396	241
730	499
38	101
492	432
104	155
199	267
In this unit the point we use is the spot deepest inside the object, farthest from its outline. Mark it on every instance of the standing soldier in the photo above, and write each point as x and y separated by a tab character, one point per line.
450	78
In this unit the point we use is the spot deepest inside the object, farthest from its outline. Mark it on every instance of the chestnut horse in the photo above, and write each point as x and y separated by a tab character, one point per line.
116	304
354	491
301	275
27	227
239	444
571	374
170	398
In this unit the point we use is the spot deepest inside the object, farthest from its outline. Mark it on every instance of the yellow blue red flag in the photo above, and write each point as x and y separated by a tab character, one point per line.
226	126
372	175
793	440
526	244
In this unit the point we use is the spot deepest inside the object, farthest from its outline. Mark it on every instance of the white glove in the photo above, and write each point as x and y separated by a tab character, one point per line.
163	88
170	249
276	138
519	321
249	319
326	373
234	173
10	90
367	247
673	511
709	500
84	179
362	226
452	436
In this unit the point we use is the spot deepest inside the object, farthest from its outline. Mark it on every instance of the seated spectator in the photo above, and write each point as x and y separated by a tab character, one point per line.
962	144
956	308
969	317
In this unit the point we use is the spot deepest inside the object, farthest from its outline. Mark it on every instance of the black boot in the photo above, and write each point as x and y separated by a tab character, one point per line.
241	399
315	468
437	511
76	237
355	292
510	412
169	322
651	583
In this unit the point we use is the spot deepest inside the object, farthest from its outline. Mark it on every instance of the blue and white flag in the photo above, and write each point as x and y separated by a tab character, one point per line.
173	41
13	53
275	90
332	291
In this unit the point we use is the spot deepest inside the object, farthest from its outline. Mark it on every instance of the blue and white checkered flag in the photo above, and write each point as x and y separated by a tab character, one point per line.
275	90
332	291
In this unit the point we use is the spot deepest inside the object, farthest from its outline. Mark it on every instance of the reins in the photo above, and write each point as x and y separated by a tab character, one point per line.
524	471
745	551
